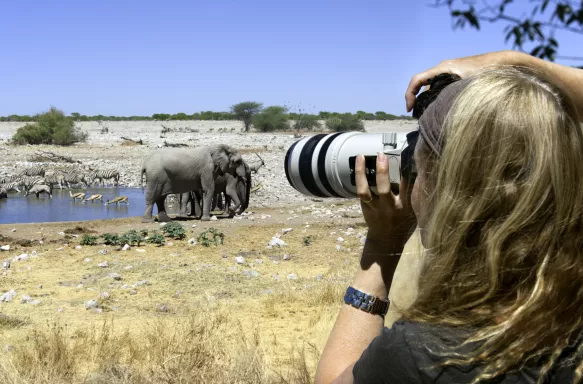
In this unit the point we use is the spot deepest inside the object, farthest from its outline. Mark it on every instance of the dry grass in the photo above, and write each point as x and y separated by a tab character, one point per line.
220	325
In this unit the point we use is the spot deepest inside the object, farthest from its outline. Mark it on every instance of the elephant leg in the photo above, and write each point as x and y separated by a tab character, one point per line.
231	193
196	204
207	200
220	203
182	199
162	215
150	198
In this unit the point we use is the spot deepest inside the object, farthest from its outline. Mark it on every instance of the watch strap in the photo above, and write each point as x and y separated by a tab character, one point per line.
365	302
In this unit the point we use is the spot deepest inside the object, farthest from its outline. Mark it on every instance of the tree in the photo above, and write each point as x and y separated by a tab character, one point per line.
533	32
344	122
245	111
271	119
51	127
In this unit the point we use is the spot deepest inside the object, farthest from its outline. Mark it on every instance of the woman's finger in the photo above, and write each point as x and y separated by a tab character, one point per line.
362	188
383	179
417	81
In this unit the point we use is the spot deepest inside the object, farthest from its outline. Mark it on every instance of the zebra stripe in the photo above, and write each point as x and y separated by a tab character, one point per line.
12	186
105	174
75	177
37	170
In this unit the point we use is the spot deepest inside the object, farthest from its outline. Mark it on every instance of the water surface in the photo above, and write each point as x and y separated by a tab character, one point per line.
19	209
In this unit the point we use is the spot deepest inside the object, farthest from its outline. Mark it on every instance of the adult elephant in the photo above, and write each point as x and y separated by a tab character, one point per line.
180	170
234	187
3	193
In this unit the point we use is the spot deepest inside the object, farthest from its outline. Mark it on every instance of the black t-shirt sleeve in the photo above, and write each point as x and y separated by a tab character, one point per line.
387	359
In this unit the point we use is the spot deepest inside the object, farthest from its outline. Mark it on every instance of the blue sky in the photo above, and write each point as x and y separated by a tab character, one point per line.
139	57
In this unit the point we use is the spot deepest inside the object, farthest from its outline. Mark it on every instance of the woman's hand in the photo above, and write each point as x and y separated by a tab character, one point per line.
390	218
463	67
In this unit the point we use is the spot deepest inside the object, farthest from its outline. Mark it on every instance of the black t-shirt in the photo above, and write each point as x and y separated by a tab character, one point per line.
408	353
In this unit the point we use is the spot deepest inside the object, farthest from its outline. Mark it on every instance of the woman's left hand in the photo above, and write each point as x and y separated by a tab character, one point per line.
390	218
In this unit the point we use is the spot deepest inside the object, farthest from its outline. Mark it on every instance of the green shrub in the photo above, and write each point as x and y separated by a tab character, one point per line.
245	111
211	236
110	239
89	240
132	237
174	230
307	240
51	127
307	122
156	238
272	118
344	123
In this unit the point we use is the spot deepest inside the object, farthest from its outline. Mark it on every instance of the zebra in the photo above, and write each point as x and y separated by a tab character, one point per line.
37	170
75	178
106	174
55	178
28	182
11	186
9	179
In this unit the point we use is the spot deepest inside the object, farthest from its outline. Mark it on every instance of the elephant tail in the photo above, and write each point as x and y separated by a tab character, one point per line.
143	170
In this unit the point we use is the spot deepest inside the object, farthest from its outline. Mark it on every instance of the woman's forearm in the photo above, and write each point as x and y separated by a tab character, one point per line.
355	329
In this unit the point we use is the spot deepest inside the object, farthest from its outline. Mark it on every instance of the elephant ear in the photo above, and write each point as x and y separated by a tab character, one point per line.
221	155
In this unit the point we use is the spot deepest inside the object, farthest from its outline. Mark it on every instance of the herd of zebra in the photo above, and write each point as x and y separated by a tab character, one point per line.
31	178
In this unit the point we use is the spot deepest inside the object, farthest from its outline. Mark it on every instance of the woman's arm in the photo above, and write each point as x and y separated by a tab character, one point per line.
390	222
570	79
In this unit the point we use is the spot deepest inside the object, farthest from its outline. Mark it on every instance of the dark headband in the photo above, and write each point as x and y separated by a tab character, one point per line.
433	117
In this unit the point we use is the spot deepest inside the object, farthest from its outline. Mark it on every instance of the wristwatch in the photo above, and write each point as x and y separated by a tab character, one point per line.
366	302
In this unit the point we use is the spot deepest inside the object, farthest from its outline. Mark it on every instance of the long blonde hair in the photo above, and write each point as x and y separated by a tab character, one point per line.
505	237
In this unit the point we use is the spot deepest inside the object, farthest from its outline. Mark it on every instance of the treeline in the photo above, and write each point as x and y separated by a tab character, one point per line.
209	115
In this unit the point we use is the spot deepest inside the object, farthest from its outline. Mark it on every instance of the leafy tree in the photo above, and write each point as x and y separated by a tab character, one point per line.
51	127
179	116
531	32
271	119
345	122
307	122
161	116
245	111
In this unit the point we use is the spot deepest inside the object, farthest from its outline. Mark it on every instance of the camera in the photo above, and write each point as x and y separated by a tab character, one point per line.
323	165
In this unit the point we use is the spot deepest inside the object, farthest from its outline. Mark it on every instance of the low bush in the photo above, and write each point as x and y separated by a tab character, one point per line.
51	127
174	230
344	123
307	122
211	236
271	119
110	239
89	240
156	238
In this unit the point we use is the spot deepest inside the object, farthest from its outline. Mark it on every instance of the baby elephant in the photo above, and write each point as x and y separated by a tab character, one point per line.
40	188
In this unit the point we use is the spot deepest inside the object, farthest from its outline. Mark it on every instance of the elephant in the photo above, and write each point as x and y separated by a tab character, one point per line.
181	170
3	193
235	188
37	189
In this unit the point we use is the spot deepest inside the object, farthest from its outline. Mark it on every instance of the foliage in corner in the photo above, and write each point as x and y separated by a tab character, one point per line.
51	127
110	239
245	112
271	119
174	230
345	123
533	32
156	238
211	236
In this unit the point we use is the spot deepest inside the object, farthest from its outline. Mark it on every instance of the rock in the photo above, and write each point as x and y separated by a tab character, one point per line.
133	292
6	265
105	264
292	276
286	230
5	248
34	254
78	247
114	276
13	230
192	242
258	261
34	302
340	240
91	304
23	256
25	299
140	250
87	260
128	268
363	240
319	277
350	230
104	295
338	248
251	273
286	257
276	242
103	251
8	296
193	225
275	262
126	247
79	286
214	218
162	308
141	282
163	224
240	260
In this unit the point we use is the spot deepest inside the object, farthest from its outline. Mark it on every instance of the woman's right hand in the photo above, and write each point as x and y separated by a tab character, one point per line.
463	67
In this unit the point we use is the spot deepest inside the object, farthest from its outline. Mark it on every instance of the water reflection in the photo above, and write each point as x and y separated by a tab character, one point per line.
19	209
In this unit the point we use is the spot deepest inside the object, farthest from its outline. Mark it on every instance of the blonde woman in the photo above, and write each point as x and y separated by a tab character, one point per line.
498	198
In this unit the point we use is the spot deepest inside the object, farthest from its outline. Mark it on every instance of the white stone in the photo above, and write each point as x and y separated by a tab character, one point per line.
78	247
363	240
340	240
286	230
240	260
276	242
8	296
91	304
214	218
192	242
126	247
292	276
5	247
105	264
140	250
